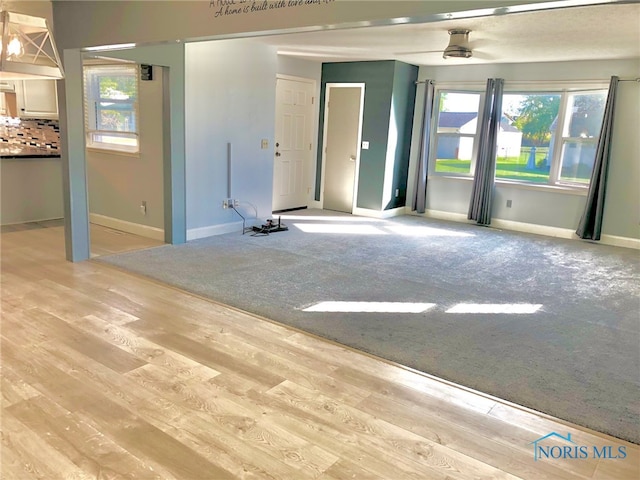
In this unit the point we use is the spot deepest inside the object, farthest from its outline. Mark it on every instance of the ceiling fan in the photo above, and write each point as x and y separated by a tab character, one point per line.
458	45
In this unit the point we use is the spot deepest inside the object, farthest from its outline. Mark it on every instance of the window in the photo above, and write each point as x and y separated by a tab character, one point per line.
549	137
457	117
525	135
111	107
545	137
582	124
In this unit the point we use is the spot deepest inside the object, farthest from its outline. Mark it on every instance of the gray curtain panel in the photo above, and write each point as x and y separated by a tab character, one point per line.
420	196
590	224
484	178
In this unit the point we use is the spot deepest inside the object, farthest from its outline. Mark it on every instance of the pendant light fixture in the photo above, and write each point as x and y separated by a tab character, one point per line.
27	48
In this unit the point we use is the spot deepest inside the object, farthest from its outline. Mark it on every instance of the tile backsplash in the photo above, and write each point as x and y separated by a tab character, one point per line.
29	136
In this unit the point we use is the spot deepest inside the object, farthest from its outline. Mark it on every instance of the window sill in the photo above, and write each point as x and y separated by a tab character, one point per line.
565	189
111	151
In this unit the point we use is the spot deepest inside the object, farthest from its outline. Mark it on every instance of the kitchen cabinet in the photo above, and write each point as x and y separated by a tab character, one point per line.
34	98
37	98
5	87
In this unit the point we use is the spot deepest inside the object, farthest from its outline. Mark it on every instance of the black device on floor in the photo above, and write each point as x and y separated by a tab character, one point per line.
270	227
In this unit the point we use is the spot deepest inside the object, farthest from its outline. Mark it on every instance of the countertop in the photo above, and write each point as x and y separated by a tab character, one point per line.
27	157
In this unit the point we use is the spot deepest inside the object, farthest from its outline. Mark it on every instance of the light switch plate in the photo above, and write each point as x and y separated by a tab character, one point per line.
365	145
265	143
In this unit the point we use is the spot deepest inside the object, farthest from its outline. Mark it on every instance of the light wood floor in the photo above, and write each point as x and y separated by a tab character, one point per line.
107	375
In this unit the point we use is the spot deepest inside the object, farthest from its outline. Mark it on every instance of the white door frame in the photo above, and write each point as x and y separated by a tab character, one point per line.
328	88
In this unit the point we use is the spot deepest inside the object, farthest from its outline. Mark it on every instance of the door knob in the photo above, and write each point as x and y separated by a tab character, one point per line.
352	158
277	154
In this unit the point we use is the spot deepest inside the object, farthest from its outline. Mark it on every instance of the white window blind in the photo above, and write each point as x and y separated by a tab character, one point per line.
111	107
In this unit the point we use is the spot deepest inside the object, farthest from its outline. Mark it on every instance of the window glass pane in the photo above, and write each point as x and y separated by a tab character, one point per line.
582	129
584	115
115	139
525	139
453	154
457	123
116	117
120	86
577	161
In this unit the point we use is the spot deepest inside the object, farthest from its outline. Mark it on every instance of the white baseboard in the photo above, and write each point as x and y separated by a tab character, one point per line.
531	228
620	241
20	222
129	227
440	215
211	230
365	212
505	224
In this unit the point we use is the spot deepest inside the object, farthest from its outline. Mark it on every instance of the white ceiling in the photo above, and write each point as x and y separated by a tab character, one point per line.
578	33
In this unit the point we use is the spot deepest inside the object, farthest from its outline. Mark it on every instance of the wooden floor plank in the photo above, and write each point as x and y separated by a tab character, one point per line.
30	456
86	447
106	374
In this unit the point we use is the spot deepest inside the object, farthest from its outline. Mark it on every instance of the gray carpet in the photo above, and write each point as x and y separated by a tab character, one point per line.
576	358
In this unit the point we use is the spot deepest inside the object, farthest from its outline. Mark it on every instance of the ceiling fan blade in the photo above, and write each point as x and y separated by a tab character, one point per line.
418	52
483	55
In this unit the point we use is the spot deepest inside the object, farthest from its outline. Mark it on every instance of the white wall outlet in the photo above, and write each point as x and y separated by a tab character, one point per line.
397	192
365	145
143	207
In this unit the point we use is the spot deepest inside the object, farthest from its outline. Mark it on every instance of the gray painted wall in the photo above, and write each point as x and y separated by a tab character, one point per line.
30	189
229	98
381	164
548	206
300	68
119	183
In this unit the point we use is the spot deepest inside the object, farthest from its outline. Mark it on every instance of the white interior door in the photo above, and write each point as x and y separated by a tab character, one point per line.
293	154
343	116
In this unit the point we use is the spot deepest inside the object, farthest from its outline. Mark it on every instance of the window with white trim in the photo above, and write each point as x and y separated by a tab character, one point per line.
111	107
456	121
545	137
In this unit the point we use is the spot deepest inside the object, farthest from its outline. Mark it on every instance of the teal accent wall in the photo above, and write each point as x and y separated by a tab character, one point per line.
389	86
401	118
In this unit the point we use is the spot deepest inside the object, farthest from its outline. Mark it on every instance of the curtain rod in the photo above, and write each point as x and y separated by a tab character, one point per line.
602	80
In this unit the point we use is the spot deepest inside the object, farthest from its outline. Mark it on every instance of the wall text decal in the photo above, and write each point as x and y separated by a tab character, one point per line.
225	8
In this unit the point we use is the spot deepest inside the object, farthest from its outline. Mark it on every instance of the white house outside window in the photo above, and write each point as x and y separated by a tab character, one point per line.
111	107
545	137
455	133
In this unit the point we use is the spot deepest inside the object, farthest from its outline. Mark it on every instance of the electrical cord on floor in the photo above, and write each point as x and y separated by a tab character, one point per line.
255	209
261	232
244	228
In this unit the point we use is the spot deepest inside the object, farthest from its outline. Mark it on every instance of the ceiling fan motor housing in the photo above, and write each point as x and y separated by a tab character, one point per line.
458	44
